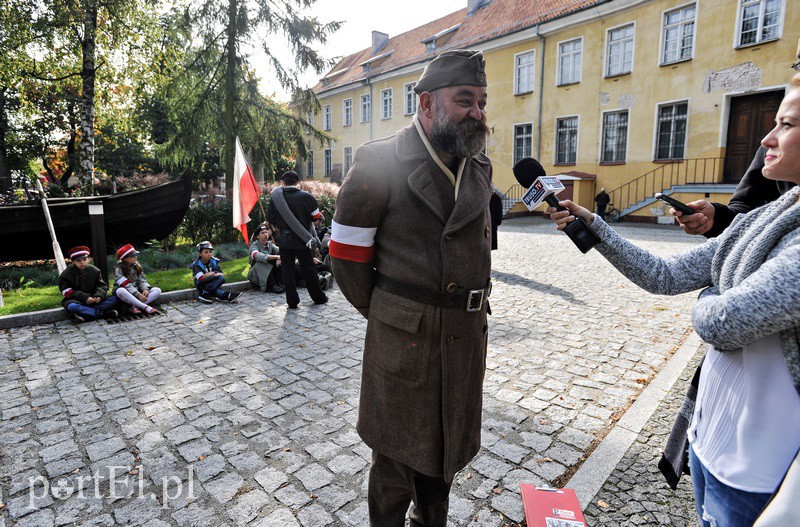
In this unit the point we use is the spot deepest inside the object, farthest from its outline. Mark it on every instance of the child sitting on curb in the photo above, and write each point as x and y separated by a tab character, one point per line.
84	289
265	273
208	276
130	283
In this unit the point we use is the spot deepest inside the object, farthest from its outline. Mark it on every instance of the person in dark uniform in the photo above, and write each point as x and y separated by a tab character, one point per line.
411	250
602	199
496	212
304	207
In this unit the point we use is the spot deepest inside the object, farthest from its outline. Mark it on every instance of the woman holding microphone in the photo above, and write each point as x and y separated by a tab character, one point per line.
745	428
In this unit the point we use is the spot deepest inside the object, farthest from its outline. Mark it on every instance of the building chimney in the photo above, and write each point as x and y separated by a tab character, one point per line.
379	41
474	5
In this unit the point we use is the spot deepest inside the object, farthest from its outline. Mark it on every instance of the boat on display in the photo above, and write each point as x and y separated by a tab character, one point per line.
136	216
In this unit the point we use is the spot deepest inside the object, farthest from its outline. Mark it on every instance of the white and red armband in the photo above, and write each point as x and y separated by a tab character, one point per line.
123	281
356	244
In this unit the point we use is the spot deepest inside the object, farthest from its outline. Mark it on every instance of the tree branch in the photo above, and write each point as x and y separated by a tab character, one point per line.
50	79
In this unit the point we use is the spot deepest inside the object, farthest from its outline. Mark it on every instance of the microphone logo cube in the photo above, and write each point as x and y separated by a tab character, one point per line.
535	195
541	188
552	184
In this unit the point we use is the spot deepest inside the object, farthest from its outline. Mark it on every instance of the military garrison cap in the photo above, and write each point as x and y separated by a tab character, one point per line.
458	67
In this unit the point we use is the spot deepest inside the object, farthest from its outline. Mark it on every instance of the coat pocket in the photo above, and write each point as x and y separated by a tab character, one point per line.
398	339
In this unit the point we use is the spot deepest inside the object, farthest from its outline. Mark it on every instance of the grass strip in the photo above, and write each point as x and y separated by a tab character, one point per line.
34	298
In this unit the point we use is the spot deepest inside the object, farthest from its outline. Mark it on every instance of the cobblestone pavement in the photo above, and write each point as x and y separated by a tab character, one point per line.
244	414
636	492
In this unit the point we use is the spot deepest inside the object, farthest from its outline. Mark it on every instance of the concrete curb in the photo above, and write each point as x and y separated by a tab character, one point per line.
594	472
58	314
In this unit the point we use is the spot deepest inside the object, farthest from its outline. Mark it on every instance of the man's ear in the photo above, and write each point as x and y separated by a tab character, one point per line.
426	103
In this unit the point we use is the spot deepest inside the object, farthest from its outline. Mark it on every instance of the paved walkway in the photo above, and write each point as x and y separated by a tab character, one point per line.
244	414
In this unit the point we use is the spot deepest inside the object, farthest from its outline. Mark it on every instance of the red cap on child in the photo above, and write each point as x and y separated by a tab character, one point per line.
126	250
80	250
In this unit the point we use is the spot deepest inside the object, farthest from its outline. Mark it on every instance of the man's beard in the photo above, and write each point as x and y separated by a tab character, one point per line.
464	139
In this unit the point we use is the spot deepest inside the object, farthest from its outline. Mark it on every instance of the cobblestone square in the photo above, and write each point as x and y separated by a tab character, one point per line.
244	414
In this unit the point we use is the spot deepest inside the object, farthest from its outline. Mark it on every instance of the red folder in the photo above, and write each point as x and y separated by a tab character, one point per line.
551	507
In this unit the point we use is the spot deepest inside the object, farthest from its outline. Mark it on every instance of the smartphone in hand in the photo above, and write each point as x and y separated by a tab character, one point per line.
677	205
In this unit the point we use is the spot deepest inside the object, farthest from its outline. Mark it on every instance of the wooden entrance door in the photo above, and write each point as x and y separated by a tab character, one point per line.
751	118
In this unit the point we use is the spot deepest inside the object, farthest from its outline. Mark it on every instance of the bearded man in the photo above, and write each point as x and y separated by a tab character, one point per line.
411	250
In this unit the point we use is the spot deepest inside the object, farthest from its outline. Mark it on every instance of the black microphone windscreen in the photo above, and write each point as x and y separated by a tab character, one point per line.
527	170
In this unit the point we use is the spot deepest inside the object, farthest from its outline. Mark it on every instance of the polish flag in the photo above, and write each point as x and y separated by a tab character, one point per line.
245	192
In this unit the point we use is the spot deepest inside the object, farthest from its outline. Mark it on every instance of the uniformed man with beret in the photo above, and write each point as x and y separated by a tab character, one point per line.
411	246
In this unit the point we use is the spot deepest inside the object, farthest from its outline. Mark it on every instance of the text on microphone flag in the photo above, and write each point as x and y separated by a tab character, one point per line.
533	197
552	183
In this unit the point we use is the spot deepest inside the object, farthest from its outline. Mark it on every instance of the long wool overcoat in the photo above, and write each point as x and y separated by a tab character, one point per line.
423	367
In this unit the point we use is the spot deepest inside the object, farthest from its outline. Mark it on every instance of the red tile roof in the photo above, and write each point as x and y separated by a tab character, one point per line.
496	19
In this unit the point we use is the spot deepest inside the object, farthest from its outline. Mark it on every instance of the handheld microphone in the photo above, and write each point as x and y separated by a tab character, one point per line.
544	188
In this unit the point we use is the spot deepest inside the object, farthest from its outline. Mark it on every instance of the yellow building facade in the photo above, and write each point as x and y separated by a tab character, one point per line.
631	95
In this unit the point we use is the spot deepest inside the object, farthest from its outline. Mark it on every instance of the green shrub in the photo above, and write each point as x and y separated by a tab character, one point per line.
327	205
152	259
12	278
209	221
231	251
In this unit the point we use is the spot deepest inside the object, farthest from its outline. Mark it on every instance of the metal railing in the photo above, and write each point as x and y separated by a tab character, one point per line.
678	172
512	196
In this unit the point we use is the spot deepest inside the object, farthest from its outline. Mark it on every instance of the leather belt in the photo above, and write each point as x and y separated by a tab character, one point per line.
472	300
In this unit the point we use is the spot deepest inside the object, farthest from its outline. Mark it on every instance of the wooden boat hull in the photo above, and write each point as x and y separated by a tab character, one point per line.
129	217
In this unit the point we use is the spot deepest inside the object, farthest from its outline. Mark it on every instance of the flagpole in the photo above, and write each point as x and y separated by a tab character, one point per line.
264	214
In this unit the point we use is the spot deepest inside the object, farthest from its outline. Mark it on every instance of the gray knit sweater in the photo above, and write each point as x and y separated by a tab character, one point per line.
751	276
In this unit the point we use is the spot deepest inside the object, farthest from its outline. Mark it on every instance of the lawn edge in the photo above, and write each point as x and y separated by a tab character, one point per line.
48	316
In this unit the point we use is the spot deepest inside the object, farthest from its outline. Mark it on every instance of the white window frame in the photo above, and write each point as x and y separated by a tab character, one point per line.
607	50
366	108
602	135
514	142
386	95
347	159
517	88
310	164
662	59
309	121
327	118
656	124
577	139
327	162
409	98
347	112
579	75
737	39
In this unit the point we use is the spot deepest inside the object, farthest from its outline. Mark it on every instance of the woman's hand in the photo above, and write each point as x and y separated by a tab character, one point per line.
563	217
700	222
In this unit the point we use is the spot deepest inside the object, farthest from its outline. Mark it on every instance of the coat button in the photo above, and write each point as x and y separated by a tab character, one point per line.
448	237
450	339
451	287
487	232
